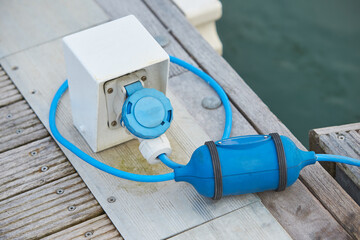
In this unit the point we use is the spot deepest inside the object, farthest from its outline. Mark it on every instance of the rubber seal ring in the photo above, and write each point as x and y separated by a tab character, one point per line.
217	170
281	160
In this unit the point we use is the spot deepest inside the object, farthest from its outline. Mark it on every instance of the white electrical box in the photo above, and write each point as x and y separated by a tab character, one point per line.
100	61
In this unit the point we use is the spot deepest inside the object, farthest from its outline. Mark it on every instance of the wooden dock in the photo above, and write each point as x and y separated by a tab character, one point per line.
340	140
42	195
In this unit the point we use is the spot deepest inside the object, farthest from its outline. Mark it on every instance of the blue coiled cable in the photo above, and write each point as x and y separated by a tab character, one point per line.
165	159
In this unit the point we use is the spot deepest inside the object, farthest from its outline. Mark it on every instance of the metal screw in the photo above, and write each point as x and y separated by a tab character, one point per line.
88	234
44	168
211	102
71	208
33	91
341	137
33	153
14	68
9	116
143	78
111	199
60	191
113	123
18	131
110	90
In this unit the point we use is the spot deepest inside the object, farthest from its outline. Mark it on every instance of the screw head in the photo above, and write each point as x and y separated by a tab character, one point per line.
211	102
14	68
9	116
113	123
60	191
143	78
18	131
111	199
71	208
110	91
88	234
33	153
44	168
33	91
341	137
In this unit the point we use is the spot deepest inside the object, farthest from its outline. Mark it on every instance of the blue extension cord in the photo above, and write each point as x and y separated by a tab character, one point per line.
168	176
132	176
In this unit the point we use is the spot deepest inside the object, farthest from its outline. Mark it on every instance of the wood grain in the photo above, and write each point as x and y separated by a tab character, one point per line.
343	140
19	125
25	24
96	228
249	222
20	171
41	211
20	168
319	182
11	94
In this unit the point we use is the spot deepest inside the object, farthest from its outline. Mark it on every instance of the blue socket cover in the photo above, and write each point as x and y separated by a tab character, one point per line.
147	112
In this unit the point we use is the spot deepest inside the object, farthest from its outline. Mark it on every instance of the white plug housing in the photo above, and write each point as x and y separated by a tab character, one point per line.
152	148
100	61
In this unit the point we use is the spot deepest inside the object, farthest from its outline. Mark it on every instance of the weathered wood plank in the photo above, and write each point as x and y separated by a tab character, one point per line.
140	208
25	24
190	91
11	94
341	140
96	228
19	125
42	211
240	224
20	168
320	183
117	9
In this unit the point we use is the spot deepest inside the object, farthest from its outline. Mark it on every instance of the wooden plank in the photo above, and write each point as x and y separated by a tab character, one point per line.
96	228
190	91
117	9
341	140
240	224
41	211
20	168
319	182
11	94
19	125
140	208
25	24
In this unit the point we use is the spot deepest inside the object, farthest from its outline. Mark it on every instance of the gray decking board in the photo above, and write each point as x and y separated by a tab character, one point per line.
342	140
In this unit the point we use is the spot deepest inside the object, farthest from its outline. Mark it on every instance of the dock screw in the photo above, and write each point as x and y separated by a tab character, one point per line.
14	68
88	234
111	199
60	191
33	91
18	131
44	168
341	137
143	78
113	123
9	116
71	208
211	102
110	91
33	153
